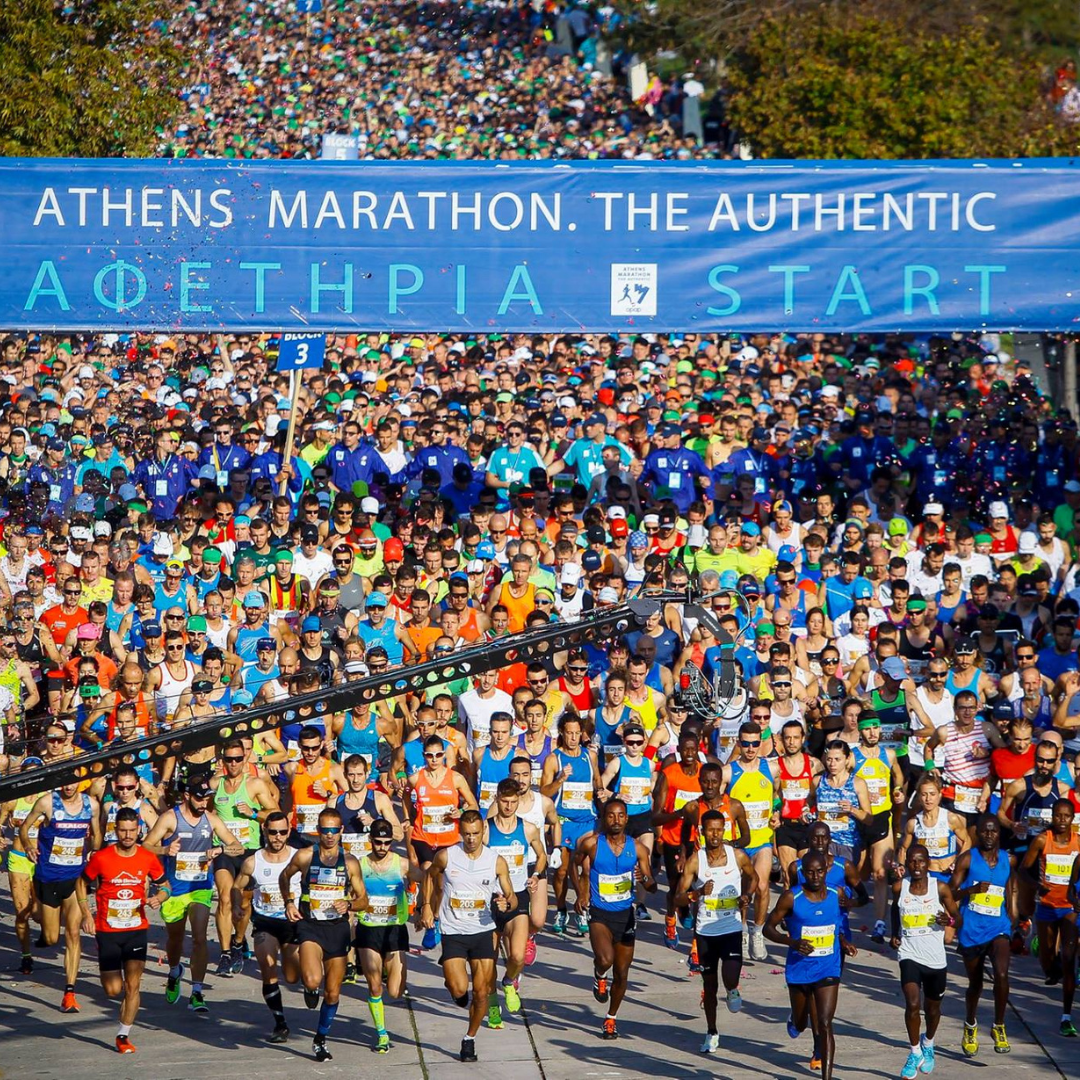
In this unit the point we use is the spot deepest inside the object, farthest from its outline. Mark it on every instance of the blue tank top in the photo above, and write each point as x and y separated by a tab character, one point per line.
834	879
114	618
488	775
632	784
954	687
945	612
611	876
202	586
386	636
246	639
537	760
574	800
359	740
189	870
841	824
820	924
986	914
163	600
608	744
64	841
514	848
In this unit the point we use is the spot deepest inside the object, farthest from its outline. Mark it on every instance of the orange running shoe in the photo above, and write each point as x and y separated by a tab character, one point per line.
69	1004
124	1045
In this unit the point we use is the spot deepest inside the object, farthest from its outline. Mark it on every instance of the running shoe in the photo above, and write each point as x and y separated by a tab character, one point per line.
758	949
26	965
643	913
609	1030
671	934
1068	1029
711	1044
792	1030
68	1004
878	936
687	921
237	954
350	975
600	988
559	925
280	1034
225	966
815	1064
692	961
582	926
512	997
172	987
1018	942
969	1041
468	1050
929	1060
382	1043
1055	975
734	1001
247	949
311	998
1001	1040
124	1045
911	1066
318	1048
530	951
197	1003
494	1017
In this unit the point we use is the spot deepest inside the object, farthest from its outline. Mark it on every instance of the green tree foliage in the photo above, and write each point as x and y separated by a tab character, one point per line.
91	79
834	83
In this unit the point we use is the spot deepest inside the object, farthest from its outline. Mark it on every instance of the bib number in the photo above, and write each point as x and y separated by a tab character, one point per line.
822	939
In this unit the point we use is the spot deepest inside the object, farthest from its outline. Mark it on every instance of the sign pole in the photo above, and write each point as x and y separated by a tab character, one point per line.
291	436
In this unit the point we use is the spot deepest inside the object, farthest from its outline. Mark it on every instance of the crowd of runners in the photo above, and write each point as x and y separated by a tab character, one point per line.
888	529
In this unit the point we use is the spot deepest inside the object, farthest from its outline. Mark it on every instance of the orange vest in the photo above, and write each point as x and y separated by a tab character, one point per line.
306	804
434	801
681	789
1055	869
518	607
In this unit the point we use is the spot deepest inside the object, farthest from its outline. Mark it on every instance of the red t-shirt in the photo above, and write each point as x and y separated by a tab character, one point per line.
59	623
1009	766
121	892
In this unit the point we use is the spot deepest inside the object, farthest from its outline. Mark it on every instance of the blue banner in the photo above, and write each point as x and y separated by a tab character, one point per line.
313	246
303	350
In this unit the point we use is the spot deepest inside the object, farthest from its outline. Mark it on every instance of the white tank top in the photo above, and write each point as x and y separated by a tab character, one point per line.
266	896
468	886
219	638
921	938
167	695
718	913
534	816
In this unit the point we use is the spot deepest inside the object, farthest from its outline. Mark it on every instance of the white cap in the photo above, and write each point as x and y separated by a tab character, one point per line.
566	402
695	536
476	566
608	595
570	574
747	352
933	508
216	383
616	512
162	545
86	372
830	391
369	505
1027	543
999	510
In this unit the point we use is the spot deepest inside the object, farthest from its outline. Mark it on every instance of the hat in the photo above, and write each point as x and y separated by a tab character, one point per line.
729	579
591	561
80	532
786	553
199	788
309	534
999	510
633	729
569	575
965	645
933	508
376	599
242	697
88	632
619	528
608	595
311	624
897	527
162	545
197	623
393	550
84	504
1028	543
254	599
475	566
748	586
485	550
916	603
751	528
893	668
266	644
283	555
151	629
1002	711
212	555
862	590
595	535
638	539
369	505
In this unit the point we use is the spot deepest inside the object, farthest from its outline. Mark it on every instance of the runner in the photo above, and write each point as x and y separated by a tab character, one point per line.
521	846
122	872
942	832
20	869
382	940
123	793
467	883
613	860
312	781
815	949
794	786
720	880
242	802
330	888
67	827
185	835
1050	862
491	760
923	916
274	934
982	885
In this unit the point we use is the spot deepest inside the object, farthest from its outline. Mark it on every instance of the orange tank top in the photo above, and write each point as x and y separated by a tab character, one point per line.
1056	864
307	805
518	607
434	802
681	789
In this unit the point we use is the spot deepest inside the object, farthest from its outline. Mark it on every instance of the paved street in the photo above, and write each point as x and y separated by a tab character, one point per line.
555	1038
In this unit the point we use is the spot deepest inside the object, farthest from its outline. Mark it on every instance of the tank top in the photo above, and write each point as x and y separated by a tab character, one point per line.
307	805
876	774
835	878
794	788
534	816
490	771
142	716
355	835
468	886
1055	869
167	695
63	841
10	678
954	686
582	699
266	892
1032	811
962	770
386	636
841	823
322	886
682	787
518	608
634	784
938	839
922	939
817	922
247	637
190	870
112	808
647	712
574	801
20	812
433	824
755	791
611	876
537	760
608	745
388	902
718	913
243	828
362	739
514	848
894	721
985	914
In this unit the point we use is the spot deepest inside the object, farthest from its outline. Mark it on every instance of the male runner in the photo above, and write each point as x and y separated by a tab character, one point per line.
540	812
122	872
462	881
330	888
794	785
613	859
274	934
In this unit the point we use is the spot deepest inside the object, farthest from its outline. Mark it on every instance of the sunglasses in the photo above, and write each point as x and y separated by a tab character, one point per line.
830	659
1046	761
329	830
311	747
743	742
124	787
433	757
633	742
277	832
233	760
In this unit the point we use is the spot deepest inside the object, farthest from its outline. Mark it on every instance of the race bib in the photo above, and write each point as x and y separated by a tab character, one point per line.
357	844
990	902
487	793
270	902
577	796
321	900
307	818
918	923
822	939
190	866
468	905
683	797
123	914
382	910
241	830
67	851
795	790
727	900
634	789
1058	869
757	814
436	819
615	886
966	799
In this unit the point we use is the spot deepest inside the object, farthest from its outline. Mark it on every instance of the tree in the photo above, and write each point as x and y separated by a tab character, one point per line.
91	81
834	83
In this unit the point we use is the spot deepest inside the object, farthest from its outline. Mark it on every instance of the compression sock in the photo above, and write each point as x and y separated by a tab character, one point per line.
378	1013
69	988
196	987
327	1012
124	1031
272	996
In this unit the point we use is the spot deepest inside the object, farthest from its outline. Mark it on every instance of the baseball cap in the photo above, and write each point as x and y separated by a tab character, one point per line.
151	629
201	686
893	667
199	788
265	644
569	575
591	560
309	534
393	549
933	508
376	599
965	645
254	599
999	510
310	623
197	623
619	528
751	528
88	632
897	527
1028	543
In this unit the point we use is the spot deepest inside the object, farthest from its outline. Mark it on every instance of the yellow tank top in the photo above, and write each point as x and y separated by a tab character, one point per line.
755	791
876	773
646	710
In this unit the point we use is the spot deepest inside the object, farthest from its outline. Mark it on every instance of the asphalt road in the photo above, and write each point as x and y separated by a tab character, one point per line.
556	1037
